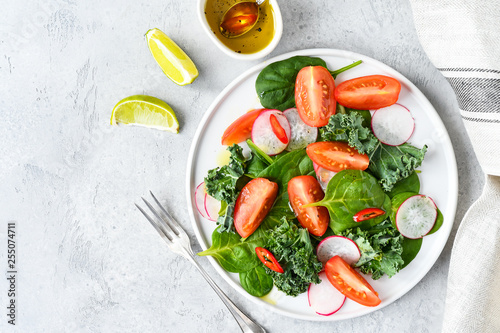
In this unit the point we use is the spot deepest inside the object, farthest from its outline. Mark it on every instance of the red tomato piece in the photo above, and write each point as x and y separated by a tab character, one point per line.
252	205
350	283
241	128
336	156
314	95
368	92
268	259
368	213
303	190
278	130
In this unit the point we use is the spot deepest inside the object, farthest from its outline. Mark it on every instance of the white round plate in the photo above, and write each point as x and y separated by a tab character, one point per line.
438	178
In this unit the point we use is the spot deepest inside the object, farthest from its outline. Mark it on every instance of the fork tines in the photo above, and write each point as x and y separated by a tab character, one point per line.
164	223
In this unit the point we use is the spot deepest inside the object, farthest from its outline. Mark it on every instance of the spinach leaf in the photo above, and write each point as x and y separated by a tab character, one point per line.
258	153
398	199
221	182
409	184
233	253
256	281
381	249
275	84
410	250
349	128
292	247
391	164
348	192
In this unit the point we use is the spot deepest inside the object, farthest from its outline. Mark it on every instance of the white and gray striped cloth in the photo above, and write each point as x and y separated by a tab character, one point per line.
462	39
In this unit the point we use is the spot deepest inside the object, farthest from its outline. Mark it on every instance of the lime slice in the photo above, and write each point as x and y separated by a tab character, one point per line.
171	58
147	111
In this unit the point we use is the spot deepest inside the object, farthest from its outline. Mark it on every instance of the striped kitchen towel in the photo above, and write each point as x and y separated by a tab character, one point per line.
462	39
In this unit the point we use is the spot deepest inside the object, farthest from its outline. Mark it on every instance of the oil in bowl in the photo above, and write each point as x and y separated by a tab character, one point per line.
251	42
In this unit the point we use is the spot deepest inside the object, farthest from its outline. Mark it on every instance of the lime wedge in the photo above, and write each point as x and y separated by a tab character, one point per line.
171	58
147	111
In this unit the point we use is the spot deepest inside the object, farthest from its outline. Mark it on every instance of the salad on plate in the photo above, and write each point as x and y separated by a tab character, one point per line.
321	189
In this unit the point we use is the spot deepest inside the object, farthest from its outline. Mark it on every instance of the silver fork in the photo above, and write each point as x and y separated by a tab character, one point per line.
178	241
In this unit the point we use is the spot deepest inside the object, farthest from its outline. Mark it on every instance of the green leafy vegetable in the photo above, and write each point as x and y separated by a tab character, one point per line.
221	182
391	164
256	281
381	249
410	250
233	253
409	184
349	192
349	128
292	247
275	84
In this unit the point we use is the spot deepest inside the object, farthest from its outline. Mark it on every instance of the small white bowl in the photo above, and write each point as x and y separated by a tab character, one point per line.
278	31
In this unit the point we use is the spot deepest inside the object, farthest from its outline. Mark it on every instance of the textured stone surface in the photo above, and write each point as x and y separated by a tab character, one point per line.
88	261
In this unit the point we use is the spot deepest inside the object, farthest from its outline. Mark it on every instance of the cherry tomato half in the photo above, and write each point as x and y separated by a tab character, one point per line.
252	205
241	128
367	214
268	259
314	95
336	156
368	92
350	283
303	190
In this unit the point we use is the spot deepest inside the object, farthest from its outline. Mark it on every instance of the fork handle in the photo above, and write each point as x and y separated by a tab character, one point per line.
246	324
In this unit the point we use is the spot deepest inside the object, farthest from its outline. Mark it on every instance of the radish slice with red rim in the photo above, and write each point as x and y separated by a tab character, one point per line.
416	216
324	298
212	206
199	198
264	133
393	125
340	246
302	134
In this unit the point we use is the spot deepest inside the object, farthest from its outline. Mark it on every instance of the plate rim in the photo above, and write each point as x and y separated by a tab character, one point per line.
318	52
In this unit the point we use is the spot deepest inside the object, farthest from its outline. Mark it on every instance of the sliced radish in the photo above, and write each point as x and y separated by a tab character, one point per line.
324	298
264	133
416	216
393	125
199	198
323	175
340	246
302	134
212	206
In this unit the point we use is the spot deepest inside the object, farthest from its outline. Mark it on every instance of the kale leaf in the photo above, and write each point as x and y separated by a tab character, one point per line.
391	164
349	128
292	247
221	183
381	249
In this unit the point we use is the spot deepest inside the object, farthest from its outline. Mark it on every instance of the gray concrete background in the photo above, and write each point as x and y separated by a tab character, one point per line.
87	259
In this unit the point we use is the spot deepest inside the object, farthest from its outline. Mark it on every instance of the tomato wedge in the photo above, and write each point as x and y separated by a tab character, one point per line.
368	92
268	259
350	283
314	95
303	190
278	130
252	205
367	214
241	128
336	156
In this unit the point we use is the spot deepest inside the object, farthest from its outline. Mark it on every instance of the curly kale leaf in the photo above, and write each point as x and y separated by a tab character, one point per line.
381	249
292	247
391	164
349	128
221	182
